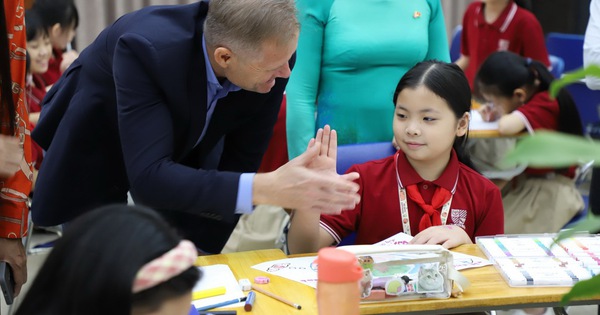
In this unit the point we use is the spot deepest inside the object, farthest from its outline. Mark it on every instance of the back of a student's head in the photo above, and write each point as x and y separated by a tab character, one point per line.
92	268
504	72
62	12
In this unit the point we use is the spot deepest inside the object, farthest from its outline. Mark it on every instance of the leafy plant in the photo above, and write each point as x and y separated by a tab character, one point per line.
554	149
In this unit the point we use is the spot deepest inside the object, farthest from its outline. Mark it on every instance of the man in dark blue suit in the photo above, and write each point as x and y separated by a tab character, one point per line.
161	94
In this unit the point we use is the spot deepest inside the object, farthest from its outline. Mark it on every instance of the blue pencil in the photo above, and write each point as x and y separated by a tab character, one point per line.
208	307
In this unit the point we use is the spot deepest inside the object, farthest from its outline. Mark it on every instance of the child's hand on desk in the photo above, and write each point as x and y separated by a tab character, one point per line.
489	112
448	236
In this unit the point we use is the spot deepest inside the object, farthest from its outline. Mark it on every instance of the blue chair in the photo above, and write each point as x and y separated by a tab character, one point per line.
569	47
455	43
558	66
351	154
587	102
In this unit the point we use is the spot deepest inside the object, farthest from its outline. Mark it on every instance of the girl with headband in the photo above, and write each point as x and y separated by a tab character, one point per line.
116	260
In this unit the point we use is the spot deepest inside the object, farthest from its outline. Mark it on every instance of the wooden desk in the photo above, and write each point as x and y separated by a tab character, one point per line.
486	133
488	290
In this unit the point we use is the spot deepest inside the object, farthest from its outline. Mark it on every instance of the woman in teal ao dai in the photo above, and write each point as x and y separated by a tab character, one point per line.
351	54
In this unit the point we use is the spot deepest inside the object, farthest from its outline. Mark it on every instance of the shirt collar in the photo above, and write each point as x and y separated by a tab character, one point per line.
211	77
503	19
409	176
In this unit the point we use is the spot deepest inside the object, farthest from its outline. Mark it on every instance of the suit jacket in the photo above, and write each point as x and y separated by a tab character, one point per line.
126	116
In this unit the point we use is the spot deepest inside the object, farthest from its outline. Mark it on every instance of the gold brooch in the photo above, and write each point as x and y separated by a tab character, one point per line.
416	15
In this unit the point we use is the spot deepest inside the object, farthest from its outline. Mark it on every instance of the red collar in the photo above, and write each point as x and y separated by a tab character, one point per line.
409	176
502	22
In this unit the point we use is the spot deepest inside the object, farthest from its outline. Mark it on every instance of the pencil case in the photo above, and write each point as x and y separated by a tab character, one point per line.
407	272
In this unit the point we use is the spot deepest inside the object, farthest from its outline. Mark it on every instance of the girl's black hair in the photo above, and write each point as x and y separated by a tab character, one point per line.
63	12
449	82
503	72
7	103
525	4
92	267
35	26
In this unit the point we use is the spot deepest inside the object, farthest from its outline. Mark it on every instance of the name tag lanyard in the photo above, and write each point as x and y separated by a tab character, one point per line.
404	205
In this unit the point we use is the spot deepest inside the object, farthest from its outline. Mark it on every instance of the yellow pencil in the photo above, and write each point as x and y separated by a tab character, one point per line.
201	294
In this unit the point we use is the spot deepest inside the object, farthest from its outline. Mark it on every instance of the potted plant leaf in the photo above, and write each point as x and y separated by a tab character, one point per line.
554	149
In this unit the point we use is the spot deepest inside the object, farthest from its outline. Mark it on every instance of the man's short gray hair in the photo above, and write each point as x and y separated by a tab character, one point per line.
247	24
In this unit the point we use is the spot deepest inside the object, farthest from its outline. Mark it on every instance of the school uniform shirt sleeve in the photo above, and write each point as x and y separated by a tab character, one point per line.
491	219
438	41
541	112
377	216
533	44
342	225
468	19
477	205
14	211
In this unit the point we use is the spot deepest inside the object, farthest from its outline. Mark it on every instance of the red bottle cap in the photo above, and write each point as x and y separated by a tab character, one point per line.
337	266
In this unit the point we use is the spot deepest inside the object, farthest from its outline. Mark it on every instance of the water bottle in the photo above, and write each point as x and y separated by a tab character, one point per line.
338	282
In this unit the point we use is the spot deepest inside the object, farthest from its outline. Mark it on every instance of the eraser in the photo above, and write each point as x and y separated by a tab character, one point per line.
245	284
261	280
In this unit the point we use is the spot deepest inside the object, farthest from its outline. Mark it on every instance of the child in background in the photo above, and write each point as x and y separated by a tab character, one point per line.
426	189
489	26
498	25
117	260
39	50
538	200
61	19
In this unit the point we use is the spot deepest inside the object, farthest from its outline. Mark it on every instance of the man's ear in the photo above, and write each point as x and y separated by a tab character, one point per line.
223	56
463	125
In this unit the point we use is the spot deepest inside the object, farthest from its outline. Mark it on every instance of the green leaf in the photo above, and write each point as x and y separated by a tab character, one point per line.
553	149
572	77
581	289
589	225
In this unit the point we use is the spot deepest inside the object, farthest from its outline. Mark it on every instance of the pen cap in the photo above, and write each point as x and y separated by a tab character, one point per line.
337	266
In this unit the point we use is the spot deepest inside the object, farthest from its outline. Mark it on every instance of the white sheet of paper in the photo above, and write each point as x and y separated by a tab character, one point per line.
214	276
477	122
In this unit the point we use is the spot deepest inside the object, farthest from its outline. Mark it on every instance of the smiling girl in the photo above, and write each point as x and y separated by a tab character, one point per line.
426	189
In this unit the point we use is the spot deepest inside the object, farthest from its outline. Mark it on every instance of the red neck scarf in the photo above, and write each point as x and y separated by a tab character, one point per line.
431	217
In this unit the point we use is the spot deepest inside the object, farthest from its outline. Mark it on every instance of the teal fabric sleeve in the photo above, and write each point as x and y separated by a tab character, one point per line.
300	117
